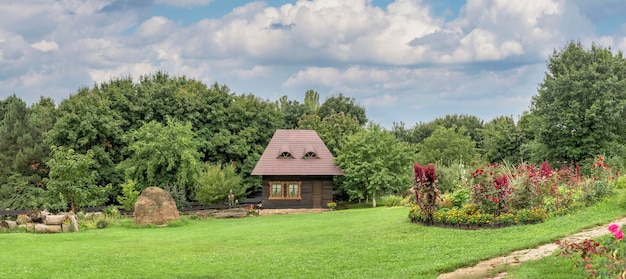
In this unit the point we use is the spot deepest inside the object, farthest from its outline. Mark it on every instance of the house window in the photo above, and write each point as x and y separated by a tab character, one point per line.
310	155
285	190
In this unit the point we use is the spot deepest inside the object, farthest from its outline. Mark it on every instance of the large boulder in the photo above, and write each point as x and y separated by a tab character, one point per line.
155	206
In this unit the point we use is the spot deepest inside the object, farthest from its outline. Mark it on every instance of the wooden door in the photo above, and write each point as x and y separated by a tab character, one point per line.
317	194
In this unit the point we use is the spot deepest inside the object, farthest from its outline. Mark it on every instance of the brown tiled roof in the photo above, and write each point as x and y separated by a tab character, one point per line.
297	142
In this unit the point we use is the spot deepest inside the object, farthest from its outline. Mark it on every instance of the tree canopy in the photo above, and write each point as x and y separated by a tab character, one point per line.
375	163
581	103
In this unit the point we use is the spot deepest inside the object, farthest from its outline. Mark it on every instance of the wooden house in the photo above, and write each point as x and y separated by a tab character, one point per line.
297	170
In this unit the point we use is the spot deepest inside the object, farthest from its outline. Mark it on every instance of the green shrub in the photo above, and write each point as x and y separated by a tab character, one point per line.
460	197
101	223
129	194
446	201
217	181
391	200
620	182
451	177
112	212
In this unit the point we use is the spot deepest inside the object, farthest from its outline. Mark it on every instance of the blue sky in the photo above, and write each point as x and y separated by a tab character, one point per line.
404	60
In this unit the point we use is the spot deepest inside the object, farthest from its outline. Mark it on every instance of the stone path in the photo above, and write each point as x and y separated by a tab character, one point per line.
521	256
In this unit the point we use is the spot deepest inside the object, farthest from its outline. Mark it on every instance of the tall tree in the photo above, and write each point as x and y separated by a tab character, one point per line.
341	103
86	121
501	140
292	111
165	156
23	152
582	103
312	100
73	180
375	163
447	145
334	129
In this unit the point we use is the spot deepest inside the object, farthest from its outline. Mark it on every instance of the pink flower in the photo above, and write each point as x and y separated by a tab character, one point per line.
619	235
613	228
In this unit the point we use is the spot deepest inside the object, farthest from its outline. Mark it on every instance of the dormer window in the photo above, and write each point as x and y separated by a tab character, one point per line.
285	152
309	153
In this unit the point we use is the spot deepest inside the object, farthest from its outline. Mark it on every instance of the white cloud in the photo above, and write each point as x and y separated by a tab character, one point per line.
492	55
385	100
45	46
185	3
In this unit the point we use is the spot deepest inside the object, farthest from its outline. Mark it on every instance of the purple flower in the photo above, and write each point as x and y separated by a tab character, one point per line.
613	228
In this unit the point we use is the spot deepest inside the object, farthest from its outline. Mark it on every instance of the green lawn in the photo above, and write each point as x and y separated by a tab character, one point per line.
357	243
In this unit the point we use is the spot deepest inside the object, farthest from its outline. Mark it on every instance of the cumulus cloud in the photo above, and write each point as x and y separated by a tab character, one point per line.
405	54
45	46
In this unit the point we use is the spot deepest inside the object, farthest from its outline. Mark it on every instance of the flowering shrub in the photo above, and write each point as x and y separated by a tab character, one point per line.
599	259
426	190
525	193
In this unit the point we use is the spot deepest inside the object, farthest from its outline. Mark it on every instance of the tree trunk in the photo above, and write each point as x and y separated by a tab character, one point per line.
8	224
374	199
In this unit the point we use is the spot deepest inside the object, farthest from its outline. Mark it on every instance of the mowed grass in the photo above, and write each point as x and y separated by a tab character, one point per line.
357	243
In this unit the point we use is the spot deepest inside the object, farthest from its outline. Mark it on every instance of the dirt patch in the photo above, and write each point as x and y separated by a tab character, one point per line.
517	257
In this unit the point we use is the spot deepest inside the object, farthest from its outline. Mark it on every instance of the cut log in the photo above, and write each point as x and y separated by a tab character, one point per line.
8	224
54	219
23	219
30	227
36	216
41	228
66	227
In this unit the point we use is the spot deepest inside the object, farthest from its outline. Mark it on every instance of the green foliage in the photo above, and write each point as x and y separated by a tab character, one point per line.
447	145
215	183
164	156
375	163
581	103
393	200
347	105
451	177
130	194
620	182
112	212
101	223
72	180
23	152
292	111
334	129
461	196
501	140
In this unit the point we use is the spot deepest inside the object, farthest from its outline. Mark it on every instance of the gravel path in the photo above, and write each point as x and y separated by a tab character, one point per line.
521	256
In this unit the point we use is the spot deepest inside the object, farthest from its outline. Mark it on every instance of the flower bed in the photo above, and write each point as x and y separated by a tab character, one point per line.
501	195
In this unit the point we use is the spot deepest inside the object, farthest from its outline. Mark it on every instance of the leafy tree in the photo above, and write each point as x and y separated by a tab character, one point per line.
292	111
341	103
251	124
73	179
333	130
86	121
375	163
447	145
581	103
129	194
312	100
470	123
23	152
217	181
165	156
501	140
